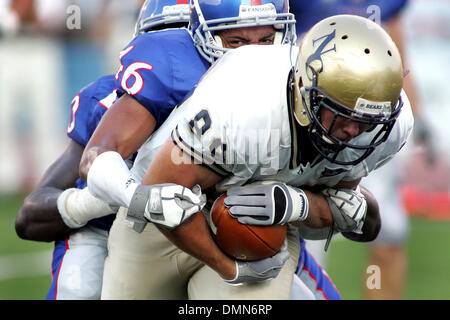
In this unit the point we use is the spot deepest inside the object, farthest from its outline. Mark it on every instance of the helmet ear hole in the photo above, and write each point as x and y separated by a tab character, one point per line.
367	50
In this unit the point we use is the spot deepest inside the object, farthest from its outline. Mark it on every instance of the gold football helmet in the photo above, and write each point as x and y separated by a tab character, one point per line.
349	65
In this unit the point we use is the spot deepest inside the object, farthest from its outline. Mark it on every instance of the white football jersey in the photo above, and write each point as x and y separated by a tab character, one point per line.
238	123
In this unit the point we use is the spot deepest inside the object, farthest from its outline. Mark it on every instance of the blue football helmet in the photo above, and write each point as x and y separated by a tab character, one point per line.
209	16
162	14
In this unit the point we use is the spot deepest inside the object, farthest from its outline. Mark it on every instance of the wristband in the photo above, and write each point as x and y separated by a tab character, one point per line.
78	206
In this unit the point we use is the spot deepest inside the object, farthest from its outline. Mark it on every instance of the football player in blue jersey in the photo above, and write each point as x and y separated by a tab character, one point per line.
387	251
61	209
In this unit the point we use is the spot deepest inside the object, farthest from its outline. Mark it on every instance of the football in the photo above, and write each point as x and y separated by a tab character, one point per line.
241	241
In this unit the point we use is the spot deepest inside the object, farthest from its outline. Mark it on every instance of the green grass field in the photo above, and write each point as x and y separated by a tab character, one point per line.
25	265
21	275
428	251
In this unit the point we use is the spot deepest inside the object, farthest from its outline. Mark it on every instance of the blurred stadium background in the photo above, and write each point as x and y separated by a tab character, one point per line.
48	57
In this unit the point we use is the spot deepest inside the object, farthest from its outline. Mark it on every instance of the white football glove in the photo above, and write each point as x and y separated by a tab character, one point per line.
348	207
267	203
167	205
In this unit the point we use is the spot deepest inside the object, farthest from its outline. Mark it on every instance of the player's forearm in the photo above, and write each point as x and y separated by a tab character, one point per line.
49	214
194	238
319	214
136	125
38	219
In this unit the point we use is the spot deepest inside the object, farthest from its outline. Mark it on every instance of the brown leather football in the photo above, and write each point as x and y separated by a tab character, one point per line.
241	241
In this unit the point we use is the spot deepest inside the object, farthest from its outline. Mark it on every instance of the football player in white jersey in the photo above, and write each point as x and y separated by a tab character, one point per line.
323	124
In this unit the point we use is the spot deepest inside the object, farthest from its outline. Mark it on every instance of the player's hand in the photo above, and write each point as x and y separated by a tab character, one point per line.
267	203
260	270
348	207
167	205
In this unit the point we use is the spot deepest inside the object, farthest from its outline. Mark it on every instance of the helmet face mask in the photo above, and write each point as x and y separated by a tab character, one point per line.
349	67
161	14
207	19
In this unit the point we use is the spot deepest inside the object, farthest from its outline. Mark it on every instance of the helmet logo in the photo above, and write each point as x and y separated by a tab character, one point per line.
373	107
317	55
246	11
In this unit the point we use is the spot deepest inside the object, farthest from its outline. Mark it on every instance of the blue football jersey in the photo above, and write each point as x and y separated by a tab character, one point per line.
87	108
308	13
159	69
